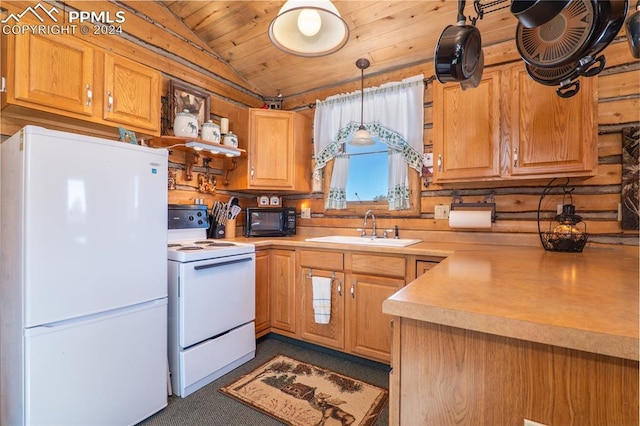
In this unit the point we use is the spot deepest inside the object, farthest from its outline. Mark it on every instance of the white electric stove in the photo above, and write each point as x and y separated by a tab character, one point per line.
211	301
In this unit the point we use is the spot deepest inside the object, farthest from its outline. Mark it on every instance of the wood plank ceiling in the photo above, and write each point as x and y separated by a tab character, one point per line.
391	34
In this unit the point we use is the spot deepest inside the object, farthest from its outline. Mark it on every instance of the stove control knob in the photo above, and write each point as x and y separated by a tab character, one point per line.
191	218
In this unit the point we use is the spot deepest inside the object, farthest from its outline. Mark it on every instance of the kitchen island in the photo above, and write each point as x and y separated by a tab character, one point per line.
499	336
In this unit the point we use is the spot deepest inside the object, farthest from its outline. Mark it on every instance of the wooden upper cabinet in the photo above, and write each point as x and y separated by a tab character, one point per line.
278	153
549	134
54	72
70	78
511	127
467	130
131	93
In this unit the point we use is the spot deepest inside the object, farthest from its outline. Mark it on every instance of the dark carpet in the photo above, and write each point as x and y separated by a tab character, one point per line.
209	407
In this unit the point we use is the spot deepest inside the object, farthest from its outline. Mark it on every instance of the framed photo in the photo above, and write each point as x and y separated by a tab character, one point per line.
127	136
183	97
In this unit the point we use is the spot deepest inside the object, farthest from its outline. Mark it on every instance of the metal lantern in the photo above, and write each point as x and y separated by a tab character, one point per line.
567	233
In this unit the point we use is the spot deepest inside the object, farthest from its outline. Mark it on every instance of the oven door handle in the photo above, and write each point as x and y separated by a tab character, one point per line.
228	262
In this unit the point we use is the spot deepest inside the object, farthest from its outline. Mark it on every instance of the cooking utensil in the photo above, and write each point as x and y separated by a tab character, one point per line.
235	211
584	28
458	52
561	40
535	13
595	24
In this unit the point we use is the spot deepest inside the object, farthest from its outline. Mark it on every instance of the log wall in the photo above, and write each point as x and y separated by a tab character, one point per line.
161	42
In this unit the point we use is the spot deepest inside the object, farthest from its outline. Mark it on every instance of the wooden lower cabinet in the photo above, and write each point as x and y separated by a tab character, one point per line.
331	334
283	298
357	324
368	329
263	300
450	376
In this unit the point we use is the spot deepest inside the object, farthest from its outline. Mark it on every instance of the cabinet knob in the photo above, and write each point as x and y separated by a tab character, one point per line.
109	101
339	287
89	95
439	162
252	172
353	289
515	157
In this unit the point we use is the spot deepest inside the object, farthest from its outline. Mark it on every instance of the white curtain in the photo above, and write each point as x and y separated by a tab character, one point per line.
337	197
398	194
393	114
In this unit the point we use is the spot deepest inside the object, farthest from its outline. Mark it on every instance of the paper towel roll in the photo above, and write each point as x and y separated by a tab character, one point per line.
470	218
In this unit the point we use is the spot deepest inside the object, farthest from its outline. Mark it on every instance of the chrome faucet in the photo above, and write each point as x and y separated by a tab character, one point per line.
373	224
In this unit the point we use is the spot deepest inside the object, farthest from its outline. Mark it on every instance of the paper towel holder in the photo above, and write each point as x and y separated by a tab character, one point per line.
488	202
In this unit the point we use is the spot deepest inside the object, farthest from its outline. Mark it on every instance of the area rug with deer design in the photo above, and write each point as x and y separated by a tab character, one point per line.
299	393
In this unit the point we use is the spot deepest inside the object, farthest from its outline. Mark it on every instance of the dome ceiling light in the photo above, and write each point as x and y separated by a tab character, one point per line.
308	28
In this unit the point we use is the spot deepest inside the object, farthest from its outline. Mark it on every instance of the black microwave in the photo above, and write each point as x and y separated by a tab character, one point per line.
270	221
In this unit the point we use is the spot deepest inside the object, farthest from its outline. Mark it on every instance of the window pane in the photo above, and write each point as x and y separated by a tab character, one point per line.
368	172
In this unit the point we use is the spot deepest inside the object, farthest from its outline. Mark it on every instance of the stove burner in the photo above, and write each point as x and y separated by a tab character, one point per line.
173	245
220	244
204	242
190	248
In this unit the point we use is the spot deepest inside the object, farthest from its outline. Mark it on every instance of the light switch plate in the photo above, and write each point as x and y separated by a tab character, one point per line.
305	213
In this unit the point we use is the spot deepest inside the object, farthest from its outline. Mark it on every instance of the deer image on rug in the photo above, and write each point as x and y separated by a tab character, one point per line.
299	393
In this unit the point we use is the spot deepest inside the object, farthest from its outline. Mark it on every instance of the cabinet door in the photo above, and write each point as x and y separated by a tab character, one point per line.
423	266
263	270
369	330
131	93
551	135
55	72
331	334
283	294
467	130
271	149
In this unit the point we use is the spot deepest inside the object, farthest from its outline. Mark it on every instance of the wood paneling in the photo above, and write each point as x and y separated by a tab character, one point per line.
459	377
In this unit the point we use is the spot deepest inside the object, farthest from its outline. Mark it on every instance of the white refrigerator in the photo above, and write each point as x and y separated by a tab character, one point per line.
83	280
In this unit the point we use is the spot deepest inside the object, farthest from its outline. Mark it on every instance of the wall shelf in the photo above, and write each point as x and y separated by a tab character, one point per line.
192	156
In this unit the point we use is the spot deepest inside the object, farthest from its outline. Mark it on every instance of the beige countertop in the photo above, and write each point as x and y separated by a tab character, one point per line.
587	301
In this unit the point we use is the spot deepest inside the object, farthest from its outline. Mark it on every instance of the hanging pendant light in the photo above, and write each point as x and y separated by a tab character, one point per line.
362	137
309	28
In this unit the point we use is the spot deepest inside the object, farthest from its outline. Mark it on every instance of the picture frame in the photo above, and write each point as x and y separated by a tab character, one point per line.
127	136
183	97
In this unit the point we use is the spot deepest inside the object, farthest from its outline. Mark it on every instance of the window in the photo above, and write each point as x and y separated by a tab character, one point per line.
368	172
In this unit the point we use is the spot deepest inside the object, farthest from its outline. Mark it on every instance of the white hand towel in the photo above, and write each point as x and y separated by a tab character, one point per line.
321	299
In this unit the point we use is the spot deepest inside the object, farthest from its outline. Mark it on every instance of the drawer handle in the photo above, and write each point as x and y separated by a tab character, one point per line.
339	287
215	265
353	289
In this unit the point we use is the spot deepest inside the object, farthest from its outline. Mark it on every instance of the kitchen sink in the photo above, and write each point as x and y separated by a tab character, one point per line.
366	241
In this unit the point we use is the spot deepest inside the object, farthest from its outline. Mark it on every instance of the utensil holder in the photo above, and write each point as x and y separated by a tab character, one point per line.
230	231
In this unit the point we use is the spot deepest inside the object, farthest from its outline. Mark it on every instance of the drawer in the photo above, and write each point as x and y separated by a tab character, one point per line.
378	265
331	260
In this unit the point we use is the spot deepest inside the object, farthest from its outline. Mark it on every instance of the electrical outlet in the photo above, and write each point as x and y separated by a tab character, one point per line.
559	209
528	422
305	213
441	212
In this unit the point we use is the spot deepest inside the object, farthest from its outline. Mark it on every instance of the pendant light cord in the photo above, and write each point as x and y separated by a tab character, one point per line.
362	98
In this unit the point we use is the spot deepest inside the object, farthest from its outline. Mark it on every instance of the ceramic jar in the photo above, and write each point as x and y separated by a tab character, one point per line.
210	132
231	140
185	125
